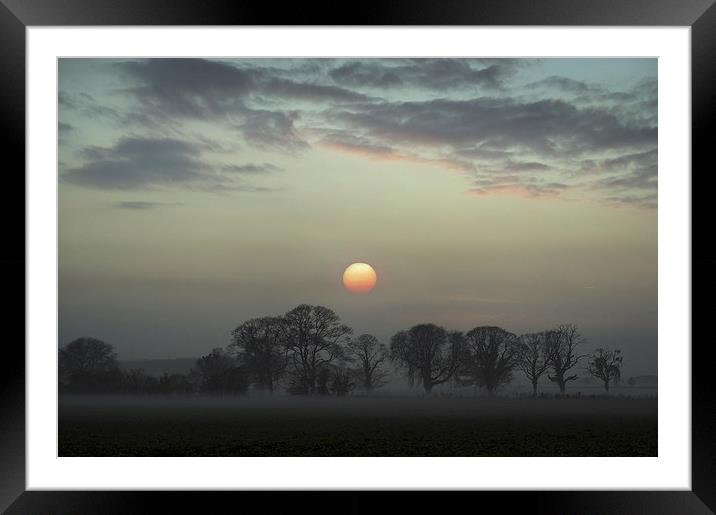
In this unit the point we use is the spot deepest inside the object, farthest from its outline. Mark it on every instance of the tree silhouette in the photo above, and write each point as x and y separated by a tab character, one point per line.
174	384
342	382
369	354
135	380
88	364
258	344
314	337
606	365
532	358
490	356
220	373
561	344
429	355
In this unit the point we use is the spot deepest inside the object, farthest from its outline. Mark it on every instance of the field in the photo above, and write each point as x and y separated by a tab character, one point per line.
410	426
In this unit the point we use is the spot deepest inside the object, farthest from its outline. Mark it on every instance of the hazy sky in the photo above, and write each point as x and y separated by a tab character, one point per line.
195	194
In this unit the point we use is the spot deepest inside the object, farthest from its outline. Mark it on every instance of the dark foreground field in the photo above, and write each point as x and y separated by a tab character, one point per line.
355	426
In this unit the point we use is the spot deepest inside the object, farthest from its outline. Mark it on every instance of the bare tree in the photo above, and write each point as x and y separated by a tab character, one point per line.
490	356
428	352
314	338
606	365
87	355
342	382
369	354
258	344
221	374
561	344
532	358
88	364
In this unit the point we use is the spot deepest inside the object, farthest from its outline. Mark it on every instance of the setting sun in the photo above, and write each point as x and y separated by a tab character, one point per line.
359	277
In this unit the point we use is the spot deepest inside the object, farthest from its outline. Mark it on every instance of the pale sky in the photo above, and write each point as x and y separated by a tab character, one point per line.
196	194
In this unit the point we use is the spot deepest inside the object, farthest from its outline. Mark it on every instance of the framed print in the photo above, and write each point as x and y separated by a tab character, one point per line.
413	250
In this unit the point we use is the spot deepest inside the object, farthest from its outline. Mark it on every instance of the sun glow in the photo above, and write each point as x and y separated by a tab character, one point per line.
360	277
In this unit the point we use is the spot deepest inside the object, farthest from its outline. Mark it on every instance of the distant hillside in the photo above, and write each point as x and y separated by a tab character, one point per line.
157	367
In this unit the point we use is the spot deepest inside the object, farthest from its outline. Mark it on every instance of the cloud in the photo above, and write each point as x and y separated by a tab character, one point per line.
352	144
470	115
359	73
201	88
544	126
196	88
309	92
272	130
566	85
252	169
517	190
436	74
529	148
137	163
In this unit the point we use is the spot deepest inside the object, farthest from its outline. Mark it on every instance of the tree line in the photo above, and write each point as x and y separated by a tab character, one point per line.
309	351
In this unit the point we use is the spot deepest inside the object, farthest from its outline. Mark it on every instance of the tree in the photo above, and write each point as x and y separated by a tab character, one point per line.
314	337
342	382
606	365
88	365
428	353
258	344
220	373
532	358
561	344
135	380
173	384
369	354
490	356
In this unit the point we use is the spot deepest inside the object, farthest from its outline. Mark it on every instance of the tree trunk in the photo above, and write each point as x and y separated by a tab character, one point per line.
606	386
534	389
428	387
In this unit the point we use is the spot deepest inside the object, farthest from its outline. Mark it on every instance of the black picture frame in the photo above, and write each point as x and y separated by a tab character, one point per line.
16	15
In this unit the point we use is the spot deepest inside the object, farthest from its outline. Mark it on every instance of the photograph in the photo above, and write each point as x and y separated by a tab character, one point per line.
357	257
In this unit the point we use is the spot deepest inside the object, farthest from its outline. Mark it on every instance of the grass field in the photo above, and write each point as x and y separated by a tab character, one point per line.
356	426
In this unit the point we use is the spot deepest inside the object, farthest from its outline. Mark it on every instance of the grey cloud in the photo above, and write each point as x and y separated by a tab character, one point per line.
545	126
525	166
631	178
135	163
65	100
189	87
566	85
251	169
359	73
272	130
507	186
647	201
437	74
88	107
644	163
309	92
200	88
537	142
353	143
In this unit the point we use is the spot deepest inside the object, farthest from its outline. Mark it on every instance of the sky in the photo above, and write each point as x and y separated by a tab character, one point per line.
195	194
